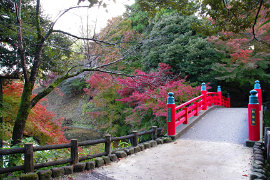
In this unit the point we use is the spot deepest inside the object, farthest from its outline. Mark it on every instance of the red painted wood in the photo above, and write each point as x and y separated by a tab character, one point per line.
254	130
193	107
171	125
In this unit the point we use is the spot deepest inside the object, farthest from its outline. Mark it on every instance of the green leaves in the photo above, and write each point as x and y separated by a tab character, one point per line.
153	6
233	15
173	40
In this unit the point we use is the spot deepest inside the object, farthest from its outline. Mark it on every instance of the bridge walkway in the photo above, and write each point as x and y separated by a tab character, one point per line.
211	149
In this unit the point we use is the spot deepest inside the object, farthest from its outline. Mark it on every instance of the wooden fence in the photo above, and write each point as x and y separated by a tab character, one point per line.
28	150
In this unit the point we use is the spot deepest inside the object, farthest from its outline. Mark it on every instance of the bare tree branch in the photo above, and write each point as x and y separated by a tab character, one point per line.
89	39
50	88
39	45
255	21
20	41
225	5
58	17
38	20
127	53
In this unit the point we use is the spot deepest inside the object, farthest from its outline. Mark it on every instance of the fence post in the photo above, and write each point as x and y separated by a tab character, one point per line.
154	134
28	158
204	98
171	115
253	117
108	144
135	138
74	151
219	94
228	100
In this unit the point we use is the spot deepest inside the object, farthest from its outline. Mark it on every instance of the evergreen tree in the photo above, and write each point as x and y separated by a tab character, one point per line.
173	41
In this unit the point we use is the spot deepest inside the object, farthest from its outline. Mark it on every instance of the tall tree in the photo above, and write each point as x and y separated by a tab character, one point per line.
30	71
9	57
174	41
229	15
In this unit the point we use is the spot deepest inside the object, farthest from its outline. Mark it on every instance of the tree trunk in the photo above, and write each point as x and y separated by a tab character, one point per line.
23	113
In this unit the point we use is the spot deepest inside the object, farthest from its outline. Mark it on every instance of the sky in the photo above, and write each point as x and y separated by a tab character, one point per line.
76	20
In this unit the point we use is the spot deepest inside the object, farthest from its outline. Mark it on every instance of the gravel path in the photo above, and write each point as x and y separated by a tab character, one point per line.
211	150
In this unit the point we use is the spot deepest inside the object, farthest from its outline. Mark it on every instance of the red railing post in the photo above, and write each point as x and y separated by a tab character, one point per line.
210	103
257	87
215	99
171	115
228	100
197	109
219	96
204	98
186	115
253	117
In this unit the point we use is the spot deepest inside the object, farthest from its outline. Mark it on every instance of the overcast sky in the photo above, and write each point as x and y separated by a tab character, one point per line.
74	20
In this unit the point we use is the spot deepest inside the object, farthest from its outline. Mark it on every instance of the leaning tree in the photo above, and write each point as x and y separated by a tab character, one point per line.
29	59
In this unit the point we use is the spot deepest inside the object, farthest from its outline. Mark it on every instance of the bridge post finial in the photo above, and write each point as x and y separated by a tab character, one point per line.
253	98
170	99
257	87
219	96
203	87
204	98
254	117
171	115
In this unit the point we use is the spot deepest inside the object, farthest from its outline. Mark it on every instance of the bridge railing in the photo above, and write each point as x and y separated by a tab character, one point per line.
180	114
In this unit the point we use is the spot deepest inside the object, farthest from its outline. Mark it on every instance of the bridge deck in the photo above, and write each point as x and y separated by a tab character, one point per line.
212	149
223	124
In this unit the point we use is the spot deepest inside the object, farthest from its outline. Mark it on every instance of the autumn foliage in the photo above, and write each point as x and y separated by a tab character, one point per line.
246	54
149	90
135	102
40	123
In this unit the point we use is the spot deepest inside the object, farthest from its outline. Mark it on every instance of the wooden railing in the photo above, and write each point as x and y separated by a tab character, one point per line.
28	150
180	114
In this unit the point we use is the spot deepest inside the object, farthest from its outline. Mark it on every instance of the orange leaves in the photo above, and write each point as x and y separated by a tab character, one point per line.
128	35
13	89
243	55
98	82
40	122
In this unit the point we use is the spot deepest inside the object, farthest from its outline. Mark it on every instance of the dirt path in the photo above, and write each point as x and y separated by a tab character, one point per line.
211	150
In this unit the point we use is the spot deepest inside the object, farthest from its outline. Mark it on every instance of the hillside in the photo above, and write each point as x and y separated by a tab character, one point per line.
67	104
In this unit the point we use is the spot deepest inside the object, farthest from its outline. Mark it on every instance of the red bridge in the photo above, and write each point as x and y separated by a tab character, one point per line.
212	148
181	114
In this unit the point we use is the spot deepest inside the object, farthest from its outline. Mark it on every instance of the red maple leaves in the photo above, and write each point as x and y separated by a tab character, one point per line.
142	92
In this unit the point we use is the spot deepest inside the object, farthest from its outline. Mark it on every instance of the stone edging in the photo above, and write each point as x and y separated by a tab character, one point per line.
90	165
258	171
